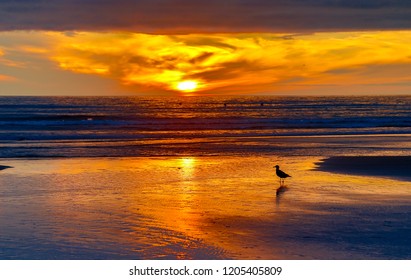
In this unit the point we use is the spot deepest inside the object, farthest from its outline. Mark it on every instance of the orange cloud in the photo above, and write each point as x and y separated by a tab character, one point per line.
232	62
4	77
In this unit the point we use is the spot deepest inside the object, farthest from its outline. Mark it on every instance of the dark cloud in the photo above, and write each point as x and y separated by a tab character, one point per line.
181	16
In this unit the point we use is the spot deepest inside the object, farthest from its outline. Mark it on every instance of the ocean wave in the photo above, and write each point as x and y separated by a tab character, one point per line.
25	119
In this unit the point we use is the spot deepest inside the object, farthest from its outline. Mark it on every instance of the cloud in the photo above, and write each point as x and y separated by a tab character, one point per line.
5	78
3	61
219	63
212	16
225	63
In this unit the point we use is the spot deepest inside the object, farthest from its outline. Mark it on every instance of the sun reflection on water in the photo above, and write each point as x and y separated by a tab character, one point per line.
228	202
187	166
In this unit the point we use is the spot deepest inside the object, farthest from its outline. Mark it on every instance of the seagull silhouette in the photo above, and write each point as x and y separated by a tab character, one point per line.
281	174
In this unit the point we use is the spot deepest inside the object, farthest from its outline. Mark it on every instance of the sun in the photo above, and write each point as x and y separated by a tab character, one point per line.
188	85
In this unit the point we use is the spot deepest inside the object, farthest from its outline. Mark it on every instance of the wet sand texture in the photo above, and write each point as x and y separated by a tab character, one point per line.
385	166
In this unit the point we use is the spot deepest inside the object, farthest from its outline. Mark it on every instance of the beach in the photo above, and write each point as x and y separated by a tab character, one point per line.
205	130
224	207
194	178
398	167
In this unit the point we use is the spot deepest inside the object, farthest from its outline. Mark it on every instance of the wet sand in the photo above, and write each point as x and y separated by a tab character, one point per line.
2	167
398	167
199	208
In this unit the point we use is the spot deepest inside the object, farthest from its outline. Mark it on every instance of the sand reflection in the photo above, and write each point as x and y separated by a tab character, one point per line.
197	208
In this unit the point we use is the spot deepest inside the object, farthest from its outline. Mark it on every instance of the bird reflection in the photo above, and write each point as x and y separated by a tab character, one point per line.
279	193
281	190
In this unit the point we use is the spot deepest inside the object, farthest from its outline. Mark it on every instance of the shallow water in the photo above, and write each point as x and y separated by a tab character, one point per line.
198	208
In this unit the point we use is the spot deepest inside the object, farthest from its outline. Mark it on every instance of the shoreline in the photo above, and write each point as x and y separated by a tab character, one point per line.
231	145
397	167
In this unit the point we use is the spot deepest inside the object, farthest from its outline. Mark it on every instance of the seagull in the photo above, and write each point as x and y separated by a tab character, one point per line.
281	174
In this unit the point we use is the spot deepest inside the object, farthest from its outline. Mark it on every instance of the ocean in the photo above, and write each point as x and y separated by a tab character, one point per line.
181	126
193	178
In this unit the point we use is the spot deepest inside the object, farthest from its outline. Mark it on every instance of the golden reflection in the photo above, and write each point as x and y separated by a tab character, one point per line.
229	202
186	219
188	162
187	166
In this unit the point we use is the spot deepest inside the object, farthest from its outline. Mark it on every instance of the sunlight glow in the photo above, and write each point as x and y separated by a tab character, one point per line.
195	64
187	162
187	86
188	167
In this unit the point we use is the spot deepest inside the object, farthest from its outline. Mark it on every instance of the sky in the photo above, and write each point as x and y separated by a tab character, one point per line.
181	47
